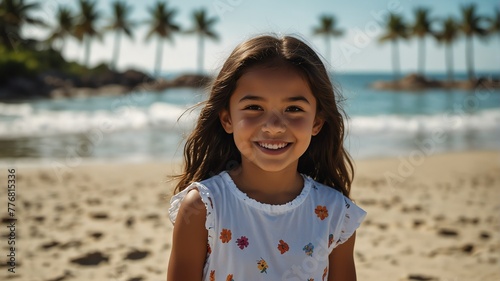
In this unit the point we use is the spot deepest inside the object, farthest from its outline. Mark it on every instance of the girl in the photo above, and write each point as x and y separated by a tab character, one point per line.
264	192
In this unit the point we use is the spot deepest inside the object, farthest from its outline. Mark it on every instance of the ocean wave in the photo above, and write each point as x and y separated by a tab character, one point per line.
40	123
484	120
23	121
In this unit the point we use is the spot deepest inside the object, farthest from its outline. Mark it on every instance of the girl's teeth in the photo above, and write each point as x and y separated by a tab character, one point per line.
273	146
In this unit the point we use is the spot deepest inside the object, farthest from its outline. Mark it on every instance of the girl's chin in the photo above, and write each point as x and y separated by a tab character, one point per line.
274	166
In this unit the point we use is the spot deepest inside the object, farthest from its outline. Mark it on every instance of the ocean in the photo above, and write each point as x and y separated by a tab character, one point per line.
144	125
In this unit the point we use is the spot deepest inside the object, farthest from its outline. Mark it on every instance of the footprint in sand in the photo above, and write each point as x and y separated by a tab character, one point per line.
136	255
130	222
484	235
39	219
417	223
448	232
51	244
99	216
136	279
91	259
96	235
421	277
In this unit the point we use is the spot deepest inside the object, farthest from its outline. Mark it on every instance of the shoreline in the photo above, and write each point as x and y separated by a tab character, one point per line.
41	162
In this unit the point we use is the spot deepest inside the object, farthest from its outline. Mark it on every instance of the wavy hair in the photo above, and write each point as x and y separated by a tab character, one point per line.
209	150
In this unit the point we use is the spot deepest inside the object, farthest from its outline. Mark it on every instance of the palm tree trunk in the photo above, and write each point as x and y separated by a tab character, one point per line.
116	50
200	52
63	44
449	61
469	59
395	59
7	37
421	55
328	49
87	51
159	52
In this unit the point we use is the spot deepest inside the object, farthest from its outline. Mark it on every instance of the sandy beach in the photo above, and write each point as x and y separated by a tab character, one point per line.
434	218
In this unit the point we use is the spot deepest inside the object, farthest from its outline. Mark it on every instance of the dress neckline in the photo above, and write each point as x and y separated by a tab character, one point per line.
269	208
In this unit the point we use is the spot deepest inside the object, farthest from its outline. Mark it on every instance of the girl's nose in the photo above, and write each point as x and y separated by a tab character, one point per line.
274	123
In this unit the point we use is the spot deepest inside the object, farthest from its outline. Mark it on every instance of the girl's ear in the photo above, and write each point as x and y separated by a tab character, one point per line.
317	125
225	120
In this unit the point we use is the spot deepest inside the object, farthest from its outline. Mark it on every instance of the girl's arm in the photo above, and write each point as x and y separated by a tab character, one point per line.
341	261
189	242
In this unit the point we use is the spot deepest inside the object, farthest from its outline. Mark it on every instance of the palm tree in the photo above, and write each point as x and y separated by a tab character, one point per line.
328	29
163	26
13	15
203	27
421	28
120	24
470	26
494	22
395	29
65	21
448	35
85	29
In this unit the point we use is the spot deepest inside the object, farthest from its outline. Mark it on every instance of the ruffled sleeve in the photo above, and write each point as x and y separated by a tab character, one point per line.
206	197
352	218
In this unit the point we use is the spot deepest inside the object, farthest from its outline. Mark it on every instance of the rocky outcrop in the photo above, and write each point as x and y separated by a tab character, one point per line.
419	82
183	81
55	84
21	88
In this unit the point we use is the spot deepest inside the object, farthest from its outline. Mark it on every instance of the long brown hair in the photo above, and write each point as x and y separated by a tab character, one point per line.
210	150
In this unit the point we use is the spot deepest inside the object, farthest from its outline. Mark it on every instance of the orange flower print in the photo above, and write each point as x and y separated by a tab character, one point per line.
283	247
321	212
229	277
225	235
262	265
330	240
212	275
209	249
325	273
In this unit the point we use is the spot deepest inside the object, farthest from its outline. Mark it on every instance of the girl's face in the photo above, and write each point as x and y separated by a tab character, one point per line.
272	116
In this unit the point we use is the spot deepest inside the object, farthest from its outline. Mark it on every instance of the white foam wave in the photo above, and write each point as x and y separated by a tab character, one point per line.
17	121
37	123
484	120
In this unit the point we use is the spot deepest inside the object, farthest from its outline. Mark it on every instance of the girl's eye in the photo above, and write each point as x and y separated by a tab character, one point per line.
253	107
293	109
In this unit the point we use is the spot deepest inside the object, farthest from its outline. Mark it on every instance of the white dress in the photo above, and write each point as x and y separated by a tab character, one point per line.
249	240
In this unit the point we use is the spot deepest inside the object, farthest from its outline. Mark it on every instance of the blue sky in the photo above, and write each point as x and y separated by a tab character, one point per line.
358	50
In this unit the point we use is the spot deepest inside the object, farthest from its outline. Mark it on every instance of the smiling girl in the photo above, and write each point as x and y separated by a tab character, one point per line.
264	194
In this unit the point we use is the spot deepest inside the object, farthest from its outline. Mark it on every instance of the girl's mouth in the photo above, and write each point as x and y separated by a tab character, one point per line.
273	148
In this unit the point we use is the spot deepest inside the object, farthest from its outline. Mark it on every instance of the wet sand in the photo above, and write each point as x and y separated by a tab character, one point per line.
435	219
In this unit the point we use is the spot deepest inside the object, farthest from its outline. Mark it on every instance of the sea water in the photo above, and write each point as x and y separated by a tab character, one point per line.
146	125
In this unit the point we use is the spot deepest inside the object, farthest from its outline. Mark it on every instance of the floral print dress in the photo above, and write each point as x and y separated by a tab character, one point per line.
249	240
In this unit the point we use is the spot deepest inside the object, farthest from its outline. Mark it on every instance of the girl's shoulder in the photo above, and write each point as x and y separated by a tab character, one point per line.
333	196
324	190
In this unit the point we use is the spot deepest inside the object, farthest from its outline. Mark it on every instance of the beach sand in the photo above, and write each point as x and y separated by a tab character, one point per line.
437	218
